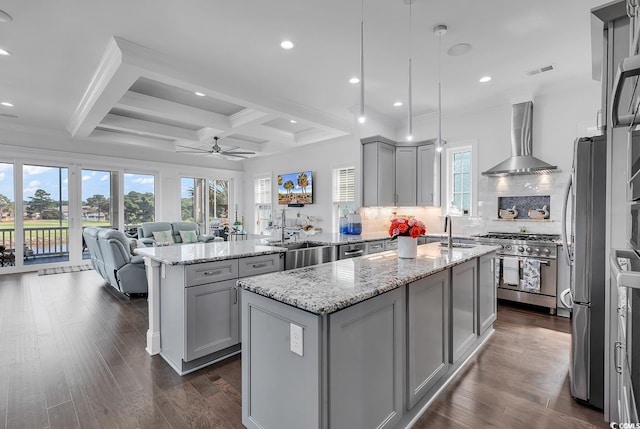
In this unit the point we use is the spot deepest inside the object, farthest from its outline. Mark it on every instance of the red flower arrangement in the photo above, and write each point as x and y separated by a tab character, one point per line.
406	227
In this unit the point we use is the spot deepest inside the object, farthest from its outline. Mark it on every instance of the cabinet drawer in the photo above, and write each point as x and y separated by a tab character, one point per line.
263	264
375	247
391	244
199	274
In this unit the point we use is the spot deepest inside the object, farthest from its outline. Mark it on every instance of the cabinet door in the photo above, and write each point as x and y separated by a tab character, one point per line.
212	318
487	299
426	173
378	170
464	278
406	176
427	333
366	369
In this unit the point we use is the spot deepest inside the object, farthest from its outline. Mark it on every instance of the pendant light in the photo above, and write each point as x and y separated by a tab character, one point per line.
410	110
439	31
362	117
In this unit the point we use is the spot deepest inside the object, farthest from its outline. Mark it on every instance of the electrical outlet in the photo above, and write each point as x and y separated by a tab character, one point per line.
296	342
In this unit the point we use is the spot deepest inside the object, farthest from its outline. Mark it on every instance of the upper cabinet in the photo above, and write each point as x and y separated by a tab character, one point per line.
406	176
399	175
379	166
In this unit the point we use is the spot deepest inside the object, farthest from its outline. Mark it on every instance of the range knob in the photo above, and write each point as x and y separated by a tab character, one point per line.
529	250
537	251
508	247
546	252
520	249
502	247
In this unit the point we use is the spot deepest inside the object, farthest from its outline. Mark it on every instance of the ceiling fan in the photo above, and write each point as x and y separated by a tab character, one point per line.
216	150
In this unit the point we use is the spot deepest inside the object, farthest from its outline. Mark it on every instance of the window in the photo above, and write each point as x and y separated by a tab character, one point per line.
139	199
193	194
459	180
7	207
262	197
219	201
344	185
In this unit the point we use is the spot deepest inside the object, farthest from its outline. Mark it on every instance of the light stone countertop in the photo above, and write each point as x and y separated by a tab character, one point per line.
327	288
196	253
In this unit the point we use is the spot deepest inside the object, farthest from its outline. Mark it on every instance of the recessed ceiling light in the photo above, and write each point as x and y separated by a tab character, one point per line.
354	80
199	94
4	52
293	121
397	104
6	103
287	44
459	49
485	79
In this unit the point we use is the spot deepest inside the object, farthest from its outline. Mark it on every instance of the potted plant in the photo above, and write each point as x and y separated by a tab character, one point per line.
407	230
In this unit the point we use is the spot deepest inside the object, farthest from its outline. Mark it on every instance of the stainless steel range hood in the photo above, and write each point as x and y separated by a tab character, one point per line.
521	160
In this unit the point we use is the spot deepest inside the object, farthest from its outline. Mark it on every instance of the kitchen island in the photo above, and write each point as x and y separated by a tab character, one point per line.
194	308
364	342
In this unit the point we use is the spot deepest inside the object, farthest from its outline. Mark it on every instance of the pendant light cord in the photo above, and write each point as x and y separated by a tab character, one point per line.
410	110
440	91
361	119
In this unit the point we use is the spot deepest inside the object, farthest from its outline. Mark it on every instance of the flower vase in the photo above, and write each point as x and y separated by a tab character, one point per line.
407	247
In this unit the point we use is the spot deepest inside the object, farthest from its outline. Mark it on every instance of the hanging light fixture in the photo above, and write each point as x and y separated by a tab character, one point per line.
362	118
410	98
439	31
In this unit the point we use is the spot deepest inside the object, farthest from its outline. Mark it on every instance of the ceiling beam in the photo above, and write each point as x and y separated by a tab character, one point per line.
164	109
123	123
249	116
143	141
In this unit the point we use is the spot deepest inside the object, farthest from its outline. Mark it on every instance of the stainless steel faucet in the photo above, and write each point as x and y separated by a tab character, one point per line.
284	223
447	222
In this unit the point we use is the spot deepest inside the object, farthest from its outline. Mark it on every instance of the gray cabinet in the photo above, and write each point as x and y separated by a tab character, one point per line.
487	299
365	352
464	279
212	318
427	334
378	169
374	246
405	176
426	176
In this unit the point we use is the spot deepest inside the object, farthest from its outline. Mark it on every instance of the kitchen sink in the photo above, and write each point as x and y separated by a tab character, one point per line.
300	245
458	245
301	254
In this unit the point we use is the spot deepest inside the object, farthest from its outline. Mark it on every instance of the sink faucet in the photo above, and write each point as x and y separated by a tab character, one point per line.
447	222
284	223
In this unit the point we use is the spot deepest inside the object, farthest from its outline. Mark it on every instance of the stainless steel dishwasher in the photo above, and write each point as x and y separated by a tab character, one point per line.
346	251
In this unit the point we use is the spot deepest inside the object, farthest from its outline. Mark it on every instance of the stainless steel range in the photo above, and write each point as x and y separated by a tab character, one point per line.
526	267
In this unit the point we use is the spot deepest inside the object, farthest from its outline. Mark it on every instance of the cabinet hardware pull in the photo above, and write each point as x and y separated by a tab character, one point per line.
212	273
353	252
235	299
547	263
262	265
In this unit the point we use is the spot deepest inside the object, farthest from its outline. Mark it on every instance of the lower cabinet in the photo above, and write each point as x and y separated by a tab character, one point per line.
487	299
464	278
427	334
365	363
213	320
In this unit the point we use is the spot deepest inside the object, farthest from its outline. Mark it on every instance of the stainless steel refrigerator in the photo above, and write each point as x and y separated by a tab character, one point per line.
586	253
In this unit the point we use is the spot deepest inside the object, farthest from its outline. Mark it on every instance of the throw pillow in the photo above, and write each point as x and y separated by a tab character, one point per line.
133	244
188	236
163	237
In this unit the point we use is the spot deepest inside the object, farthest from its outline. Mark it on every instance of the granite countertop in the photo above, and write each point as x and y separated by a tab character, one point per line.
327	288
195	253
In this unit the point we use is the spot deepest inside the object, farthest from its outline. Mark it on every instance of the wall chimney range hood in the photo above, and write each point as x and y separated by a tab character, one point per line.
521	161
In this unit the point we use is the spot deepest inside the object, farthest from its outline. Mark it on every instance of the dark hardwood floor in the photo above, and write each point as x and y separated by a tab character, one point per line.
72	356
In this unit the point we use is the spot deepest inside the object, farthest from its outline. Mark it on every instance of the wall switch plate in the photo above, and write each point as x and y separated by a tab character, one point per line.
296	342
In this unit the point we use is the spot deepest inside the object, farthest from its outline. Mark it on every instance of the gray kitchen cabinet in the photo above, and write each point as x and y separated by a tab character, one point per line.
487	299
464	278
378	170
406	176
426	192
374	246
213	321
427	334
365	351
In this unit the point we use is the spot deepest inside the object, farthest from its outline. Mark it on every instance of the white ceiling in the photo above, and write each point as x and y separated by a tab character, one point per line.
125	72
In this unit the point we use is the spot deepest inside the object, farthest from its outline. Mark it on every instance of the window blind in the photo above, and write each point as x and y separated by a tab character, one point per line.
262	188
344	185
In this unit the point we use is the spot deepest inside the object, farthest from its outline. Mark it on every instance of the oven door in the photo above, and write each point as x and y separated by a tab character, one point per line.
548	269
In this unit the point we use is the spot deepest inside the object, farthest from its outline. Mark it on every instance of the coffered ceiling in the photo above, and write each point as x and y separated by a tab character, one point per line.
126	72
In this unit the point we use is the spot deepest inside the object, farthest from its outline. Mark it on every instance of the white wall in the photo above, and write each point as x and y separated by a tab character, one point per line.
320	159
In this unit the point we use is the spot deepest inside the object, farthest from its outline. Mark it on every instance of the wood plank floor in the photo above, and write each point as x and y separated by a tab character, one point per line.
72	356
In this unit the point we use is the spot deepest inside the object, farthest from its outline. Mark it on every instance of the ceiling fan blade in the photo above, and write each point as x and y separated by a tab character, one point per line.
193	148
192	151
237	153
233	154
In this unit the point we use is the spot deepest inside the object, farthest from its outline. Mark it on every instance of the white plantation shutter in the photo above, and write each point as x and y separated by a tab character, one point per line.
344	185
262	189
